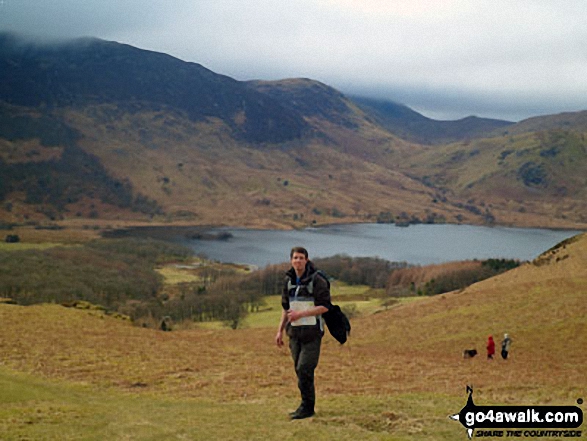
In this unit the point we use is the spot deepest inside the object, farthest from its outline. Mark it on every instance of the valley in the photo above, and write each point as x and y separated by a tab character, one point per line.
188	146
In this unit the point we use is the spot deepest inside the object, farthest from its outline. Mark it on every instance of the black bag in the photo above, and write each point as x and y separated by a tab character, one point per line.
338	324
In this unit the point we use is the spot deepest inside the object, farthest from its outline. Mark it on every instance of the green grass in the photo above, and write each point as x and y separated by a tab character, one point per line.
174	275
38	409
343	295
20	246
269	315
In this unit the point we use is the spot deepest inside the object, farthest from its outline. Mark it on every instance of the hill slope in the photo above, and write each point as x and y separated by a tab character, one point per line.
520	173
95	129
92	71
569	121
172	137
414	127
406	360
540	304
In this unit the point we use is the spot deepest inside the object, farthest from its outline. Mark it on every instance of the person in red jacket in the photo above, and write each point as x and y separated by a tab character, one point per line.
490	348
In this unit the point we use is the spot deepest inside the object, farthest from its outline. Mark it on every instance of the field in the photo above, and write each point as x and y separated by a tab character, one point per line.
70	374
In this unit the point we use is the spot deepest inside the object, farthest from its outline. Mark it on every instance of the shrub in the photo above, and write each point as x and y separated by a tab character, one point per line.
150	250
120	276
371	271
438	279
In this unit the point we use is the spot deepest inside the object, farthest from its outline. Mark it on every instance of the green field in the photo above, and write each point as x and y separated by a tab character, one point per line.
19	246
359	298
35	409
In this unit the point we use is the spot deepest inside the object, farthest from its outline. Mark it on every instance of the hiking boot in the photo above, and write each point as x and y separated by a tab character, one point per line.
295	412
301	413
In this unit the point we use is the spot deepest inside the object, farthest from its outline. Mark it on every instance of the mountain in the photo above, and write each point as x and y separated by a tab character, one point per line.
536	166
102	130
312	99
569	121
414	127
91	71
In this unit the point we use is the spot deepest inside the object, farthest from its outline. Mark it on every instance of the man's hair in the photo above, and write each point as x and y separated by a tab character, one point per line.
300	250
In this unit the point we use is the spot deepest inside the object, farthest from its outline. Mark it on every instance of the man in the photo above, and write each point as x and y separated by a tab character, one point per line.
505	346
305	297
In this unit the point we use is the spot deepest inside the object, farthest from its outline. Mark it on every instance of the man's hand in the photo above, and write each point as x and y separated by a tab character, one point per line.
292	315
279	339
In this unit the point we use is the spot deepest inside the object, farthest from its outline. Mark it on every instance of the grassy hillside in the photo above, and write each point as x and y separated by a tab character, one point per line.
198	173
520	177
161	165
399	378
44	173
576	121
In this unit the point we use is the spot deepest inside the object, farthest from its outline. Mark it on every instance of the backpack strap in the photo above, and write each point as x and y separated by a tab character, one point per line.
309	286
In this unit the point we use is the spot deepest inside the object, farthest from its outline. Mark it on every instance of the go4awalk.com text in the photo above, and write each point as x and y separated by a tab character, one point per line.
520	421
528	433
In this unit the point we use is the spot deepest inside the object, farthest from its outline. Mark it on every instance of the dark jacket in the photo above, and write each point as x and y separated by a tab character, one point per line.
320	296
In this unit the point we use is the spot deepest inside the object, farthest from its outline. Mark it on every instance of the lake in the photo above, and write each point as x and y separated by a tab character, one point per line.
417	244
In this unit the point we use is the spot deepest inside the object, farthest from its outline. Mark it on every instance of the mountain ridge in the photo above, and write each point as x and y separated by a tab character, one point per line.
190	145
412	126
93	71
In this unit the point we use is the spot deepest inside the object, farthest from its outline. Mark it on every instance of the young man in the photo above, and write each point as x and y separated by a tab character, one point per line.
305	297
505	346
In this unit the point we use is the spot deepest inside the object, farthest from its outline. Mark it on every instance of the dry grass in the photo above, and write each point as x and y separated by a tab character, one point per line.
400	364
485	173
202	176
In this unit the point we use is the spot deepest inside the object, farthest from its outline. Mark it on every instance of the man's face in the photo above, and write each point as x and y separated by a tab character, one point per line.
298	262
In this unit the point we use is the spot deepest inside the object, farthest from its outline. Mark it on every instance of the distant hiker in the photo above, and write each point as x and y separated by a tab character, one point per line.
490	348
505	346
305	297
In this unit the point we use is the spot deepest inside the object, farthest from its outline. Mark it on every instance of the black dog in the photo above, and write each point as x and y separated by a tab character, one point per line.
469	353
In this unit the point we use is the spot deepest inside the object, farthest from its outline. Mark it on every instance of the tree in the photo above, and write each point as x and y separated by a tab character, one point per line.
234	314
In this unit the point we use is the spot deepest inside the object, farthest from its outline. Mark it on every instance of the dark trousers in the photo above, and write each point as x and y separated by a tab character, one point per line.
305	357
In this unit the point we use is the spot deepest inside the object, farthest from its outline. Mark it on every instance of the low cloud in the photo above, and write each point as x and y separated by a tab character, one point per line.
453	58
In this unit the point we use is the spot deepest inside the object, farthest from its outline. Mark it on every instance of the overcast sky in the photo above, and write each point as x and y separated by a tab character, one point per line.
507	59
